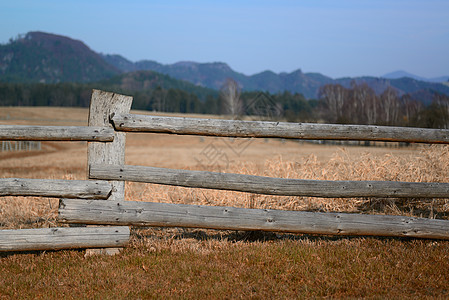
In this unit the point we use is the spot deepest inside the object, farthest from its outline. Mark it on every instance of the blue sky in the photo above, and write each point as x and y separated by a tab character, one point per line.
335	38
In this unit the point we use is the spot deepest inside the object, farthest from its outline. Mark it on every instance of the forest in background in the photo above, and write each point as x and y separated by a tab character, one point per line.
358	104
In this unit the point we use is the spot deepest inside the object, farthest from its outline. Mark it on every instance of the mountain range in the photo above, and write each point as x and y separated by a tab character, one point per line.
49	58
212	75
401	74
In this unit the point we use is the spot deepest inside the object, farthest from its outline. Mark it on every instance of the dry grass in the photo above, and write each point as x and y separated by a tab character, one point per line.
427	165
225	264
275	158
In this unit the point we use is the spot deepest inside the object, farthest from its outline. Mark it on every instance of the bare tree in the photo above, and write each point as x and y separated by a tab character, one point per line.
390	106
442	103
334	96
230	95
368	103
411	110
159	99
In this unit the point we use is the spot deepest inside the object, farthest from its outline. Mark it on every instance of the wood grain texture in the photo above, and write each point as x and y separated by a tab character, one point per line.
259	129
63	238
269	185
102	105
229	218
85	189
56	133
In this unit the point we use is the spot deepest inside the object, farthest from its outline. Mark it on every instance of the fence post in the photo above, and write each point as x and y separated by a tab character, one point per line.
102	105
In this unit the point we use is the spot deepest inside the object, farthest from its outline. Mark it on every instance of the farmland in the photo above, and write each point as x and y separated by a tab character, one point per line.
205	263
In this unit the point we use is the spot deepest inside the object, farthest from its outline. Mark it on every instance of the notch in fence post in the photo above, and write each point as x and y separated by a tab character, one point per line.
102	105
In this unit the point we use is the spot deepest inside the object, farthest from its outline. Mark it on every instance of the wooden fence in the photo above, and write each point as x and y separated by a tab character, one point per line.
100	200
20	145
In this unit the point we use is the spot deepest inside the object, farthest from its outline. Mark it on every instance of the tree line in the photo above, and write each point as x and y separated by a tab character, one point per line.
292	106
358	104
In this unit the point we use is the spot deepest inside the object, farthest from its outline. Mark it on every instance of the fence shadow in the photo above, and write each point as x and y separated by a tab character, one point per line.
423	207
232	236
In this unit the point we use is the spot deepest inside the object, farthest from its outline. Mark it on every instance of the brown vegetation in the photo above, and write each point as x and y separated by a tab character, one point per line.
222	264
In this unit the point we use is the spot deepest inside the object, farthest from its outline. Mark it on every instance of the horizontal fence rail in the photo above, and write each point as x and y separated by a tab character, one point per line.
260	129
63	238
55	133
85	189
229	218
269	185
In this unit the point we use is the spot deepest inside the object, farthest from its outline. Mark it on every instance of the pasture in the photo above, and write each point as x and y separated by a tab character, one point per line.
226	264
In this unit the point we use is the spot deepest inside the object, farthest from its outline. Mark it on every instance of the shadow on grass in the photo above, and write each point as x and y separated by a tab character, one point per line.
418	207
200	235
176	233
36	252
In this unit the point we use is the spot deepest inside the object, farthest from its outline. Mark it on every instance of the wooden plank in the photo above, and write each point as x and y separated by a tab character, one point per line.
63	238
229	218
55	133
84	189
259	129
102	105
269	185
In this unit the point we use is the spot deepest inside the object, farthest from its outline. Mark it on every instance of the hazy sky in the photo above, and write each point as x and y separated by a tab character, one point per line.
335	38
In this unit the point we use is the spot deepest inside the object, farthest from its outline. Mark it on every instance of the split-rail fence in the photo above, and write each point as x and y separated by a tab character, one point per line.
100	200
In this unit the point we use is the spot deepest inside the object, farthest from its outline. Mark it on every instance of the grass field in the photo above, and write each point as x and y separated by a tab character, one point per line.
224	264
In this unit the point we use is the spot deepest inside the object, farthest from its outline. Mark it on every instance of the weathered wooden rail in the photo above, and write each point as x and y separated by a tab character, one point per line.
63	238
138	213
269	185
55	133
263	129
100	200
58	188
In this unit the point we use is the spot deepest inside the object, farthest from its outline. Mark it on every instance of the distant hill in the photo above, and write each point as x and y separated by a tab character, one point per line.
213	75
402	74
418	90
147	80
39	57
49	58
